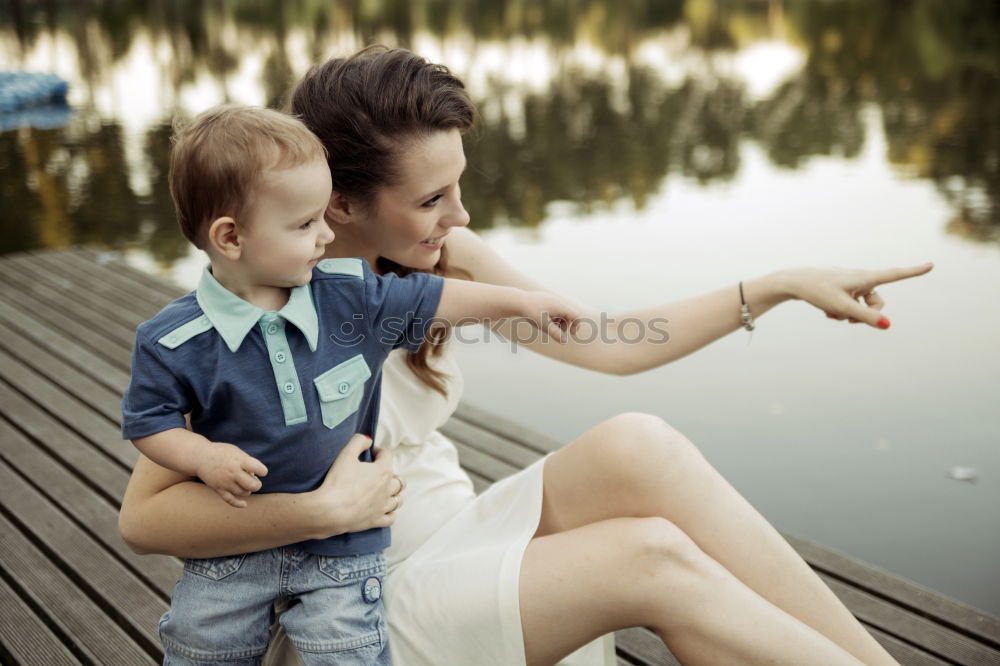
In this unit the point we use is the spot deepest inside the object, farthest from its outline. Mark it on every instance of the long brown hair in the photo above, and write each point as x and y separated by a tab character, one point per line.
364	109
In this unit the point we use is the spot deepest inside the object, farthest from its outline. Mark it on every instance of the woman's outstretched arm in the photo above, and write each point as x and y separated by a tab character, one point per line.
166	512
667	332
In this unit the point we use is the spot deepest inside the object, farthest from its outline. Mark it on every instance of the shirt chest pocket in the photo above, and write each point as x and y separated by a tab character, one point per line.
340	390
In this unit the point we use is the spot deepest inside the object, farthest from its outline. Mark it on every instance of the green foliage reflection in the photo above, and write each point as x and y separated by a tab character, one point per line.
592	137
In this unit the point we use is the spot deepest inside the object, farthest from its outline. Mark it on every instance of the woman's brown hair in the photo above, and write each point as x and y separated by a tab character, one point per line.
365	108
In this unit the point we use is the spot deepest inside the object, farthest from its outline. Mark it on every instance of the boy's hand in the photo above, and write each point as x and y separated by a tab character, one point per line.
229	471
551	313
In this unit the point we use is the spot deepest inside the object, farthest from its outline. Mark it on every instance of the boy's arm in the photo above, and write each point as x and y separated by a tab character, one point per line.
156	400
401	310
223	467
464	302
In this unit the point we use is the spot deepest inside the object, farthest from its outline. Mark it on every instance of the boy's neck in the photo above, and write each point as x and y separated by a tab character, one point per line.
265	297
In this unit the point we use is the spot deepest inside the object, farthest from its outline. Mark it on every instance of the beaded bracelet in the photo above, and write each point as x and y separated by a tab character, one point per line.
745	315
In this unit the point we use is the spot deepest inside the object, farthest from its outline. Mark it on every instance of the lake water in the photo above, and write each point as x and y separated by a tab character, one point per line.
629	157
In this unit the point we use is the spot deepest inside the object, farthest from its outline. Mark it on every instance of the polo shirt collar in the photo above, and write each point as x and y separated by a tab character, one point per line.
234	318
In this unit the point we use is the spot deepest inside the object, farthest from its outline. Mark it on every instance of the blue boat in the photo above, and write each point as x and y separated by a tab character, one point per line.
36	100
19	90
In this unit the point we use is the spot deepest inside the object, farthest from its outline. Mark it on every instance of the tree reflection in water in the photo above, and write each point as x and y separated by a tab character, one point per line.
592	135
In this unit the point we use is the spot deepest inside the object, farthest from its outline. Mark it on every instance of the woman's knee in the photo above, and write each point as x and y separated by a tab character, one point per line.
666	570
638	442
655	545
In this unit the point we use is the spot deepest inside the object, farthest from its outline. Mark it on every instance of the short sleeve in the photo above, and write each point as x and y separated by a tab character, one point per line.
155	399
401	309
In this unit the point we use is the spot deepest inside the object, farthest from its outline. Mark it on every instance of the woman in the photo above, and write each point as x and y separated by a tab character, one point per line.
626	526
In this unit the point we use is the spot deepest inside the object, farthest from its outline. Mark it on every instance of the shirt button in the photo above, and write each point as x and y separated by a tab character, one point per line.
289	387
344	387
272	329
279	357
172	339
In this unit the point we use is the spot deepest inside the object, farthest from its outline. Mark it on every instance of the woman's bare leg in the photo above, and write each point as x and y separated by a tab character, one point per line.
637	465
627	572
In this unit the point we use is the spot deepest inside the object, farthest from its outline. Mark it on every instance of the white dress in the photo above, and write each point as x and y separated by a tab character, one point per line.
455	559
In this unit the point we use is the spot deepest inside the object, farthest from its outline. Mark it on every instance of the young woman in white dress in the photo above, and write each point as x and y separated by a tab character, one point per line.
626	526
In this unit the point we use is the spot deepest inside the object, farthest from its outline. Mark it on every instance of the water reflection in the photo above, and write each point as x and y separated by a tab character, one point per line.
934	69
587	101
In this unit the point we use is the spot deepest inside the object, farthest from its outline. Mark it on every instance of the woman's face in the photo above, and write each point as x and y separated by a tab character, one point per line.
408	221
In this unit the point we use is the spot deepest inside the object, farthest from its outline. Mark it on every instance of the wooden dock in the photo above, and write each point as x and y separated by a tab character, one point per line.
73	593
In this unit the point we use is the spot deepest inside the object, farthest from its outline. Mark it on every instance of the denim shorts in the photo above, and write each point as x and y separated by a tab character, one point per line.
222	608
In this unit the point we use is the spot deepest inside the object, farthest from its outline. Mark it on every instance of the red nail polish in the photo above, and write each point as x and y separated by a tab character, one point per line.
883	322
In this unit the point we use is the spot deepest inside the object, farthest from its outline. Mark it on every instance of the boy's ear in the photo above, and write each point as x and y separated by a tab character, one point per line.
224	238
340	209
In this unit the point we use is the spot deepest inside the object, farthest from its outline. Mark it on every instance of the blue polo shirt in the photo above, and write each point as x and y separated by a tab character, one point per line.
289	387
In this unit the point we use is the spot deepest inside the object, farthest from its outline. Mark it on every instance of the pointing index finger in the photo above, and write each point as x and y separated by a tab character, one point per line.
896	274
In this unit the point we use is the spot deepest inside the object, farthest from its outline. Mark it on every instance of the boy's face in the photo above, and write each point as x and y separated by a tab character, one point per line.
285	234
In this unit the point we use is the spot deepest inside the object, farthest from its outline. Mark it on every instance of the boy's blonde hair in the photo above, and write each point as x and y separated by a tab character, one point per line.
219	157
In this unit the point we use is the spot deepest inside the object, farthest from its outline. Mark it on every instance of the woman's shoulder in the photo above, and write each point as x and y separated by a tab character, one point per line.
471	257
464	245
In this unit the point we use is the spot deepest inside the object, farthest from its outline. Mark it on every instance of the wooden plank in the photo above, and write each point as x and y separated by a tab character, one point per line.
53	316
64	348
72	451
71	611
642	646
507	429
482	464
114	263
25	638
905	653
92	512
29	269
140	301
155	290
77	416
491	444
92	285
113	331
962	617
914	629
102	432
98	397
122	596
